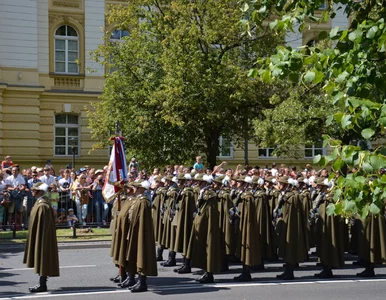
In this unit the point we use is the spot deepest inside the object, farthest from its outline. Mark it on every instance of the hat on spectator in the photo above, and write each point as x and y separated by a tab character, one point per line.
82	170
99	171
70	209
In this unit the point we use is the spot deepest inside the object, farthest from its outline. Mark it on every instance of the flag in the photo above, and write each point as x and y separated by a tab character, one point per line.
116	173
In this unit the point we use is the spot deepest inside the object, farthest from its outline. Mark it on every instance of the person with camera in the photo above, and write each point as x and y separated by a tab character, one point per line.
41	249
98	200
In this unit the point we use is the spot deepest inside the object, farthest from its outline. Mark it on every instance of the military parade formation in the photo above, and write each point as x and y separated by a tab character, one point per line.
213	219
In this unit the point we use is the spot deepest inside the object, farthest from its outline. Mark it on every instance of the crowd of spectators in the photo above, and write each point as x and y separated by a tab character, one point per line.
76	195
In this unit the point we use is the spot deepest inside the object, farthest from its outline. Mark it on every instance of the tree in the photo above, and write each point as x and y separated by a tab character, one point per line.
180	78
352	75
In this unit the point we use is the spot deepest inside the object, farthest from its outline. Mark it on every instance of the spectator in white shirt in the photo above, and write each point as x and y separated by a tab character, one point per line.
47	178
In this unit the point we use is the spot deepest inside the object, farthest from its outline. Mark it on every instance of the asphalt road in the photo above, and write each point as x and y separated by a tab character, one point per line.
85	274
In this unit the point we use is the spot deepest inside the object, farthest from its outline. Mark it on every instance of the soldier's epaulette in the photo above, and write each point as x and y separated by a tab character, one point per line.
187	189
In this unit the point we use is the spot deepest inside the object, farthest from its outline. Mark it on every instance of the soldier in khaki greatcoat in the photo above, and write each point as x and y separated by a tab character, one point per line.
292	231
330	232
204	244
141	256
41	249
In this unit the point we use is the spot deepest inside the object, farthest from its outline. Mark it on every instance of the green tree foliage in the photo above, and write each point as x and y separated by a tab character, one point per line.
180	78
352	74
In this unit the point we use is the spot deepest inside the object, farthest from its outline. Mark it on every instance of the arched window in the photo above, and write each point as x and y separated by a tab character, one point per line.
66	50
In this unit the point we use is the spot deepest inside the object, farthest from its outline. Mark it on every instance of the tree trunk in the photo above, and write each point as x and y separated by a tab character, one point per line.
212	143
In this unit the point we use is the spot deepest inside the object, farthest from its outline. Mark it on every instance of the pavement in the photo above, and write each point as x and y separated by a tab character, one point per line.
85	273
7	247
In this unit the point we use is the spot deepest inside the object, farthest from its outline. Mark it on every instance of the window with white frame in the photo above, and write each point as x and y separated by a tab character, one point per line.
225	147
266	152
66	50
66	132
310	151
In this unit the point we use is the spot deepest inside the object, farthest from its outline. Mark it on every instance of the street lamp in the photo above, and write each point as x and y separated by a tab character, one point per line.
73	143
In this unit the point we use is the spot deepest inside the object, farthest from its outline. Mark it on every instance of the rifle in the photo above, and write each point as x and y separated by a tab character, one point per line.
234	212
277	212
314	212
175	207
200	201
163	205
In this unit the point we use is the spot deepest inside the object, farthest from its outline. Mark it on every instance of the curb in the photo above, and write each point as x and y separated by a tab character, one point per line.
61	245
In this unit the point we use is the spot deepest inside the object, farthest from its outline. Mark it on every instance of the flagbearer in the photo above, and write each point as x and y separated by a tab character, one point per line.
41	249
141	257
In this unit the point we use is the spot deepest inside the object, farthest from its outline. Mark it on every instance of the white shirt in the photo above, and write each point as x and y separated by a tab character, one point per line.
14	182
48	179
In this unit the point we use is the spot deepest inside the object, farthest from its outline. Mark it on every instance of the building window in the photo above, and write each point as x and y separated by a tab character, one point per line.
66	128
225	147
310	151
116	37
66	50
266	152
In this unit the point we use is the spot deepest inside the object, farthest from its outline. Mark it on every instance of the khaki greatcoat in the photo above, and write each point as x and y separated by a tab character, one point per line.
141	255
41	249
186	209
248	248
293	238
204	244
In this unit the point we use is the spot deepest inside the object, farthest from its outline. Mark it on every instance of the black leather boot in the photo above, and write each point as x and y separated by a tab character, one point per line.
206	278
130	281
368	272
288	274
171	262
160	250
41	286
224	266
140	286
326	273
115	278
185	268
245	275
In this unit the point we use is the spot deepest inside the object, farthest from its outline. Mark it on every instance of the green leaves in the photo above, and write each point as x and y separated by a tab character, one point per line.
367	133
309	76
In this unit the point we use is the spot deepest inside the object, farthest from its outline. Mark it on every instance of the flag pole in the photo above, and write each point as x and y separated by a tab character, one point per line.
119	201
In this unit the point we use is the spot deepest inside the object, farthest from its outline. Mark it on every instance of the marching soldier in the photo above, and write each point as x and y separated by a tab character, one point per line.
292	235
158	207
141	256
373	243
227	228
119	242
41	249
330	232
264	221
248	248
204	244
306	201
184	217
170	225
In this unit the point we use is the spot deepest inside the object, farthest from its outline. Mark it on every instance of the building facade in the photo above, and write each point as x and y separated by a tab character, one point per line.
47	82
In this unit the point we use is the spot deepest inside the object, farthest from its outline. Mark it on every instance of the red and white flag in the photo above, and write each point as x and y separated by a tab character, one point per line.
116	174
